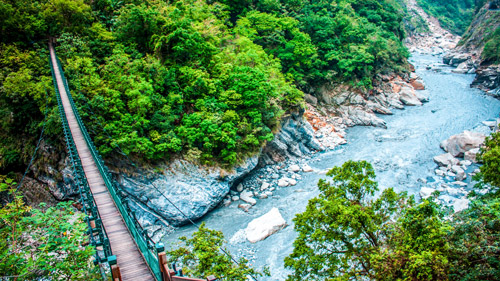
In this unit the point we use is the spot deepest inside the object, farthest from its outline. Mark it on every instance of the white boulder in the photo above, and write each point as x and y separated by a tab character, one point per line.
247	196
264	186
460	204
264	226
426	192
306	168
294	168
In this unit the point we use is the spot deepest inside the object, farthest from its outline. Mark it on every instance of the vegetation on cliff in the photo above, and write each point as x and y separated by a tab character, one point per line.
210	80
453	15
483	35
49	242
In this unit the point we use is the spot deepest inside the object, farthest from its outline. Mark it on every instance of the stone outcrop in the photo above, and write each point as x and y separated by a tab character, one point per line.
194	189
467	56
488	79
294	140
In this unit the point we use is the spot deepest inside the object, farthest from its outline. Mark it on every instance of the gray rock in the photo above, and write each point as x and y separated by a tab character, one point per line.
446	159
239	188
247	196
461	204
426	192
457	145
471	155
264	186
311	99
194	190
408	97
294	168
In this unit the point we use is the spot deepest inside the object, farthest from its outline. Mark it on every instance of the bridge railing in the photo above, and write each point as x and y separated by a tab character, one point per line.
145	244
89	207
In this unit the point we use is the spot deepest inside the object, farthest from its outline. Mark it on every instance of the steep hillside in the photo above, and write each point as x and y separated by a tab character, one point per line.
479	50
206	81
453	15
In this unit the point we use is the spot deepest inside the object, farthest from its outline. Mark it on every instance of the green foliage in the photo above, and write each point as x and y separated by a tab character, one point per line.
345	233
343	227
414	248
201	257
491	51
474	243
453	15
47	242
490	156
167	78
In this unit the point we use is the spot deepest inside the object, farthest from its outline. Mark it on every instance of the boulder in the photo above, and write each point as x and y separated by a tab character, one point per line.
445	160
283	182
247	196
471	155
245	207
294	168
264	226
426	192
311	99
408	97
457	145
264	186
306	168
418	85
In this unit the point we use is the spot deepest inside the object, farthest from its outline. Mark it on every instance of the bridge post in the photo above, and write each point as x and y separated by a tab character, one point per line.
166	273
115	269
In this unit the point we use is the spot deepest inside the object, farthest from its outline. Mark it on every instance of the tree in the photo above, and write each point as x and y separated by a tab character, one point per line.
201	257
346	234
490	156
342	227
474	245
49	242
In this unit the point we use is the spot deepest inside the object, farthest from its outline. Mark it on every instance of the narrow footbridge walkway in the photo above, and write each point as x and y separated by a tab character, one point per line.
131	262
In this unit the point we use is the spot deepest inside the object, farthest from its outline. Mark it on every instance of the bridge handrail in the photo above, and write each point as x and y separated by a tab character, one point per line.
87	200
142	239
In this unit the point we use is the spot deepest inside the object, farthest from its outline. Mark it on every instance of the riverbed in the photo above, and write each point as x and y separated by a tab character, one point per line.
402	156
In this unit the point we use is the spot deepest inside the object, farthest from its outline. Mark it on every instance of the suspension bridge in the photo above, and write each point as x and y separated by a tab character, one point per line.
113	227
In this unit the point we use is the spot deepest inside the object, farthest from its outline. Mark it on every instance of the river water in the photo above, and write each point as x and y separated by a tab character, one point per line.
401	155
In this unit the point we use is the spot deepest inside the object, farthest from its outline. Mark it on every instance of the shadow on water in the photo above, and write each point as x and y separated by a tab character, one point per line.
401	154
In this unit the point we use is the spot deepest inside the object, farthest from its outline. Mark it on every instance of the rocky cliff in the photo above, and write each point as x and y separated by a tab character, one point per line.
472	54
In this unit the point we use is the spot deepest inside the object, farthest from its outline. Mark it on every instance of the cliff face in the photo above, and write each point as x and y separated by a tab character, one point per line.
478	51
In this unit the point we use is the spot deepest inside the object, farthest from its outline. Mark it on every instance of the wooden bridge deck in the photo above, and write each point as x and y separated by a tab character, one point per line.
129	258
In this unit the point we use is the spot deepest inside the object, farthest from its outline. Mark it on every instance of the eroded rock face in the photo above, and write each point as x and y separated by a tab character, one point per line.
294	140
193	189
488	79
